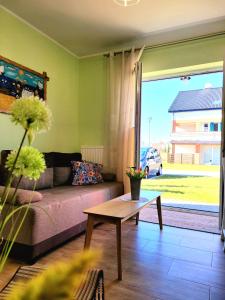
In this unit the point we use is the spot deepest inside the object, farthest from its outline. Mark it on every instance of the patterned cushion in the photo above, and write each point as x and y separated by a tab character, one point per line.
85	173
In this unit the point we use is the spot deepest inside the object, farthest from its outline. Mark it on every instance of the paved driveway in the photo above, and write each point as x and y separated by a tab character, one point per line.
191	173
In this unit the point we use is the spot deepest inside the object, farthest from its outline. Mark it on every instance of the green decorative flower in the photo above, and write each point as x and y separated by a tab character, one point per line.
58	282
32	114
30	163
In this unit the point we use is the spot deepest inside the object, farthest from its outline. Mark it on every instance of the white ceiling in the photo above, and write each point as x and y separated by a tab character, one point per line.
92	26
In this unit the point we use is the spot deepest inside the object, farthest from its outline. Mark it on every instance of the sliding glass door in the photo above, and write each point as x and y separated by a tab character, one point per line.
138	70
222	177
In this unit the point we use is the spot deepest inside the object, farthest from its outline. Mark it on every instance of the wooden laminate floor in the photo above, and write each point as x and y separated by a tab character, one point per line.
176	264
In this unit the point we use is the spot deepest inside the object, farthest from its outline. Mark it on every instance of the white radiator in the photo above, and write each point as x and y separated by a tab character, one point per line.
92	153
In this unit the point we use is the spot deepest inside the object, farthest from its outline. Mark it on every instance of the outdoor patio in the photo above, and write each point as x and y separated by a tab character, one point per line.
187	203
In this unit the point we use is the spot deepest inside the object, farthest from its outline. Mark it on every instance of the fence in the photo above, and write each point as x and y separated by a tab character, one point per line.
183	158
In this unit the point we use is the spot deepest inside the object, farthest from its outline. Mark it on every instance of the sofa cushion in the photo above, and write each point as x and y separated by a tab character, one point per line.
4	154
85	173
64	159
108	177
62	175
49	158
52	159
22	196
44	182
2	171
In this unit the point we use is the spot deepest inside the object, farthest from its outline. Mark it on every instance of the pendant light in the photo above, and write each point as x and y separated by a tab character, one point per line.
126	2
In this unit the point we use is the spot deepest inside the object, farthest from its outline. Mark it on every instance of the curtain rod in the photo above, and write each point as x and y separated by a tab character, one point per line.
121	51
201	37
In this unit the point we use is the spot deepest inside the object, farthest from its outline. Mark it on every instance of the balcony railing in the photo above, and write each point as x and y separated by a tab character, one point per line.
196	136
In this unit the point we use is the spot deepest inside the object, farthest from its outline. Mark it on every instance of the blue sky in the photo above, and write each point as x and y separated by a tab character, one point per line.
157	97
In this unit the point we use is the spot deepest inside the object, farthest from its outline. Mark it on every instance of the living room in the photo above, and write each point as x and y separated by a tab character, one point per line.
76	44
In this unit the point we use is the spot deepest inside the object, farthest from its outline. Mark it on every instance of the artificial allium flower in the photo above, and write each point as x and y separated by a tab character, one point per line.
32	114
30	163
59	281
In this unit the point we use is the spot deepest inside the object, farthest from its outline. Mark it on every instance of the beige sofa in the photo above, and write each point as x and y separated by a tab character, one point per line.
59	215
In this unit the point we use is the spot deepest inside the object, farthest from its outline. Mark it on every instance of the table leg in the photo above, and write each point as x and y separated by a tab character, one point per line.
90	224
159	210
118	243
137	218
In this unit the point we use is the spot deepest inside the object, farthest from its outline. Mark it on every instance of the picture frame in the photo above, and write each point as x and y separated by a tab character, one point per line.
18	81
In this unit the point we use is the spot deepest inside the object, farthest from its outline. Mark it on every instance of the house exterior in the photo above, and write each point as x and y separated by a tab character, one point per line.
196	127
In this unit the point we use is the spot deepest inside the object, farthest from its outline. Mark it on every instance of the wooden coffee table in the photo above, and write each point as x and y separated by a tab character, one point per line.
117	211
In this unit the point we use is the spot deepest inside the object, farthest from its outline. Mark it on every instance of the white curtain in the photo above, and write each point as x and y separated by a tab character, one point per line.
120	114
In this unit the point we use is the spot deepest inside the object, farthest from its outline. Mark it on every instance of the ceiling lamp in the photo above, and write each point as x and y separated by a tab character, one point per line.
126	2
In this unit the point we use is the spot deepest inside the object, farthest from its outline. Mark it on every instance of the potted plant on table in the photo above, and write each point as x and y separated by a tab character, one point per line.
135	175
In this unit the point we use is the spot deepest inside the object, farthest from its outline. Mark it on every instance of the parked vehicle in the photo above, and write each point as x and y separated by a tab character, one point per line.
150	161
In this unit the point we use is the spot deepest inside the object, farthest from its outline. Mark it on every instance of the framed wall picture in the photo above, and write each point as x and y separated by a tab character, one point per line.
18	81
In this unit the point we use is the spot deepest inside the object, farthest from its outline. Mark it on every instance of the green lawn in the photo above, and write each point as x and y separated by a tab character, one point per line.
185	188
167	166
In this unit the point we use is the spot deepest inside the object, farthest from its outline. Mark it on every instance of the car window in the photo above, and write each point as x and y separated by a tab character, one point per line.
143	153
151	154
156	154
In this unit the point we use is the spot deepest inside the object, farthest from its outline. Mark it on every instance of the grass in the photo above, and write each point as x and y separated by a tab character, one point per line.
185	188
187	167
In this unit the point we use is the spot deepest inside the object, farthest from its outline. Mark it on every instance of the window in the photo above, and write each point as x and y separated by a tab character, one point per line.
156	154
206	127
215	126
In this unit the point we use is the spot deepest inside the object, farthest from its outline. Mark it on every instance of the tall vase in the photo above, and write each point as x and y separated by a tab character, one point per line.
135	187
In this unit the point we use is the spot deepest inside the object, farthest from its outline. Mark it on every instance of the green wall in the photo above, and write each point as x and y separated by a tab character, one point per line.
92	99
23	44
